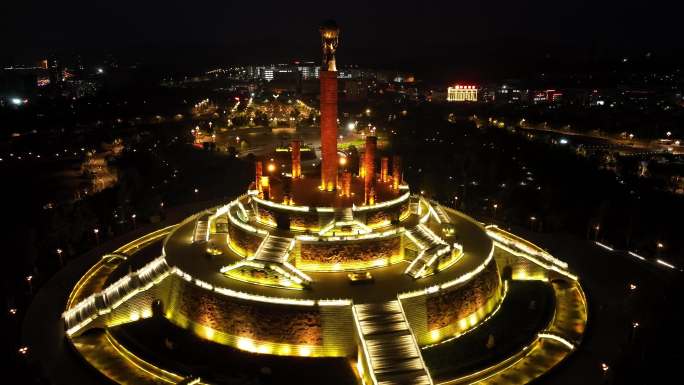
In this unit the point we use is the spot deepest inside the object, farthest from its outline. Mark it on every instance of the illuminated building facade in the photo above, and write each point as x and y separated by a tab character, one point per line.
459	93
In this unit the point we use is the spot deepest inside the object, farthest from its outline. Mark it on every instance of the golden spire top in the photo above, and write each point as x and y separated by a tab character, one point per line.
330	33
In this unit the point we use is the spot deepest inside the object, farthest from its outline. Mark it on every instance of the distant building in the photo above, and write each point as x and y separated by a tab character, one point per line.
459	93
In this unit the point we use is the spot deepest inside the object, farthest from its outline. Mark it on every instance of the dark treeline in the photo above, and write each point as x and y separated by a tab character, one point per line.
527	179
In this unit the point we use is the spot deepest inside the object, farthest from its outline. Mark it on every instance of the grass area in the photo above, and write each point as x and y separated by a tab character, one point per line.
158	341
513	326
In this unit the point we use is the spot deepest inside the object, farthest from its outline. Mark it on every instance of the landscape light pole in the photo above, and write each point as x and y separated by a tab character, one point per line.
59	255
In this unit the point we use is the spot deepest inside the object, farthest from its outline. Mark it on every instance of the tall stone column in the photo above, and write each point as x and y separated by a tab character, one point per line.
369	169
328	130
296	159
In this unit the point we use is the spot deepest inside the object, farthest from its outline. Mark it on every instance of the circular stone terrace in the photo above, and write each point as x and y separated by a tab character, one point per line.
387	282
382	313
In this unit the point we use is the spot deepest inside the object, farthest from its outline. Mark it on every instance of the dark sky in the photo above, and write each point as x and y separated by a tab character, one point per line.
416	34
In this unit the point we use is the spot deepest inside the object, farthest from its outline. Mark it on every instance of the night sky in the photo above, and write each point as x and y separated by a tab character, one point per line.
422	35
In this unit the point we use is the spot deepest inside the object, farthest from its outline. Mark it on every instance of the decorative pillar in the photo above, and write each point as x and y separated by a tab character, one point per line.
296	159
330	34
328	130
369	168
258	173
346	184
396	172
384	169
362	165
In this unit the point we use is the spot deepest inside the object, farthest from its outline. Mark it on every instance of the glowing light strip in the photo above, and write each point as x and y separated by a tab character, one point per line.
243	225
557	338
536	261
635	255
415	342
432	211
280	206
385	234
415	260
604	246
364	346
325	209
244	262
334	302
666	264
253	297
327	227
382	204
297	271
243	211
524	245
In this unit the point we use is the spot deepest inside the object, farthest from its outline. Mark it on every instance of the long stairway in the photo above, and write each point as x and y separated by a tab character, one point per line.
114	295
431	246
201	230
393	354
441	214
274	249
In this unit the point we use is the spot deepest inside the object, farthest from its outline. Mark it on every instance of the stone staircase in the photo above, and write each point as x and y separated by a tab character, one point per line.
441	214
274	249
431	247
90	308
393	355
201	230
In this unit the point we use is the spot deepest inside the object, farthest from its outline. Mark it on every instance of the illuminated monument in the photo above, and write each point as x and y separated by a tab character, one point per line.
328	76
361	269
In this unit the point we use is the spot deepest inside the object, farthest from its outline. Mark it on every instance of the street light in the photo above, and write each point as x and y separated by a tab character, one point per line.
532	219
596	230
29	278
97	235
495	207
133	216
59	254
